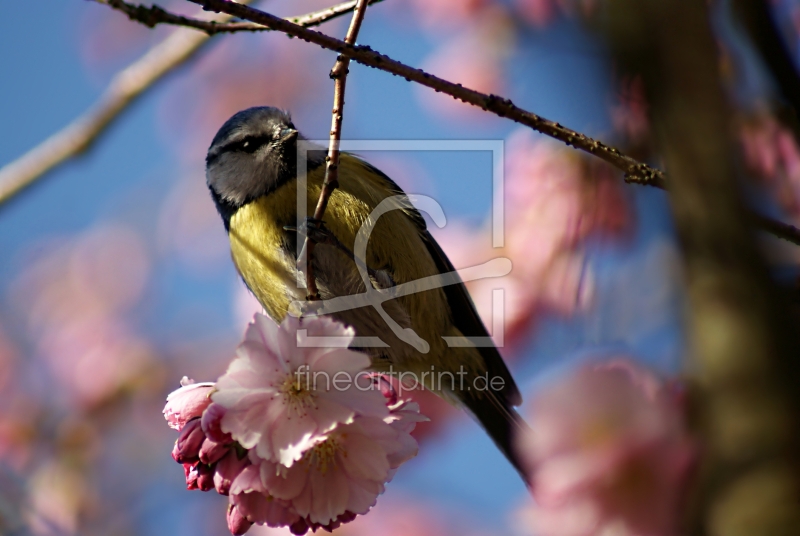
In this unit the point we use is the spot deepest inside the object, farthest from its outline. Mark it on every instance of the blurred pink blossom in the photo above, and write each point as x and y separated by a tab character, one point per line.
272	391
438	14
74	296
608	452
403	515
57	495
554	201
540	13
470	60
772	153
630	114
237	75
189	227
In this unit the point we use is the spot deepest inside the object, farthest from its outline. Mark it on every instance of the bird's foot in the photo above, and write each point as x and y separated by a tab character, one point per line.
316	231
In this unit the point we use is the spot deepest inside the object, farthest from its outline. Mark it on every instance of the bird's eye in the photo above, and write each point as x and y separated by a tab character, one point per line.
251	144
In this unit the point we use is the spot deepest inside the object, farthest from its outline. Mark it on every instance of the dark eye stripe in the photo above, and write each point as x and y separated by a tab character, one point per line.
250	144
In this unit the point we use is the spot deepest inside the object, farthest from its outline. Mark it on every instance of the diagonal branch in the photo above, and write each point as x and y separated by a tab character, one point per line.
154	15
26	170
124	88
331	182
635	171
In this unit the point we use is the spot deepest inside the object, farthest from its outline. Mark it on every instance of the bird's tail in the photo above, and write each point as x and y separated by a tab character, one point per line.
502	422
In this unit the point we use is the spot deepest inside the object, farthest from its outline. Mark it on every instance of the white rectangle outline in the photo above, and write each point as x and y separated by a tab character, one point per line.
495	146
497	207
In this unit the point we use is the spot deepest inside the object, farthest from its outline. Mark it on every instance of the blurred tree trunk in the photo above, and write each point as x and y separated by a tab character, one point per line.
743	353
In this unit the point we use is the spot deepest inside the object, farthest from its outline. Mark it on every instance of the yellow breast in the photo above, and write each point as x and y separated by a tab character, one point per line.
257	235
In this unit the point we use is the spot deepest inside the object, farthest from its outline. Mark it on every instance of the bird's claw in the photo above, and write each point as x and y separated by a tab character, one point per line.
315	231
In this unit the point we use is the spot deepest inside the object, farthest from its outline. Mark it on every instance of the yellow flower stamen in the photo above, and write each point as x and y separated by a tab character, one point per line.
296	395
323	455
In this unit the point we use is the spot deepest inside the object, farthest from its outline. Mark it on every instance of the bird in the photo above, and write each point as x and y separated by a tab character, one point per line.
252	175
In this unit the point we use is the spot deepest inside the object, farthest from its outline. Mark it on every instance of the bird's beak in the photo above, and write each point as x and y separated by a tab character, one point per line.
288	134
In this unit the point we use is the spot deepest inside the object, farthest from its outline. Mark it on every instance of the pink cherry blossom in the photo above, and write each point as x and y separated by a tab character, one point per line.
251	503
210	460
353	439
191	438
187	403
279	394
227	469
345	473
608	451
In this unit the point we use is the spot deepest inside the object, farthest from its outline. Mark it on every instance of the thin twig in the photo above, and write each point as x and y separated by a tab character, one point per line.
153	15
124	88
331	182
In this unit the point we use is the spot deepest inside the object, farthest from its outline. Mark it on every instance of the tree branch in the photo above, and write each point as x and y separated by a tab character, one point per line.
60	147
331	182
635	172
124	88
154	15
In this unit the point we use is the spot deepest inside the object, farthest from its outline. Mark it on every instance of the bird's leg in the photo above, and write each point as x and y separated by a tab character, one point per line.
316	231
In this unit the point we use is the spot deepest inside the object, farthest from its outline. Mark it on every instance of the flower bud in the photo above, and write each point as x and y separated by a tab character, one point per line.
187	447
205	477
187	403
227	469
211	421
211	451
237	523
190	472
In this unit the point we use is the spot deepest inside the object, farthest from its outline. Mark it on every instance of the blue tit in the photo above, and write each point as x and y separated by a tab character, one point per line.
251	170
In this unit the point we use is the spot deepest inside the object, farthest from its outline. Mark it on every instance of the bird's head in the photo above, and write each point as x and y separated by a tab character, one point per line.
253	152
